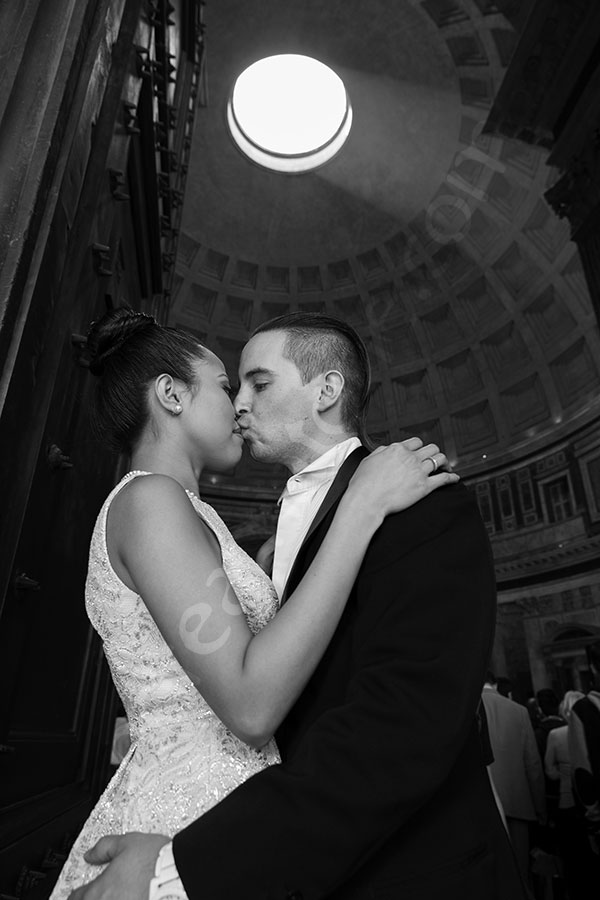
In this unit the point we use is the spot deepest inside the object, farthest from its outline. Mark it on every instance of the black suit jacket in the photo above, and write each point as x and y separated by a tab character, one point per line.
382	791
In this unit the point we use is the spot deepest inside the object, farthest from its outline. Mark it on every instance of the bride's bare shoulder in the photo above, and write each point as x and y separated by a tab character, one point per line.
151	498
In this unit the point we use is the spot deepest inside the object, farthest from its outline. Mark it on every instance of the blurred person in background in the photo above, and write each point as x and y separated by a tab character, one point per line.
584	751
571	840
516	772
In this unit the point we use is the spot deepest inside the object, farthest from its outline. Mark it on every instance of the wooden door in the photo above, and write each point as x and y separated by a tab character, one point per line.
99	228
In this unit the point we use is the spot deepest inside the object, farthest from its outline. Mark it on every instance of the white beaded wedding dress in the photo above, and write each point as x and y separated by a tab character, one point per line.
182	759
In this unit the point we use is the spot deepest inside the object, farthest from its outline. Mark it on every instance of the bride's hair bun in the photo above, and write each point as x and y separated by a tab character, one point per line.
108	334
128	350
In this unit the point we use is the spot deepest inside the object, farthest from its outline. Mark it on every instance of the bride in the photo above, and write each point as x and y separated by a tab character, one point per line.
205	664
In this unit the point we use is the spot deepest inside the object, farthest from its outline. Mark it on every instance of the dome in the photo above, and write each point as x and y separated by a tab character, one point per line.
429	235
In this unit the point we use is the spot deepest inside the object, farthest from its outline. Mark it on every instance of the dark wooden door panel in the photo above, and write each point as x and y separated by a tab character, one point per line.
100	229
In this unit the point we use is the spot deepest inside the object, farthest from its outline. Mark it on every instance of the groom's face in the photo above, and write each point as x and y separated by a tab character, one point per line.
276	411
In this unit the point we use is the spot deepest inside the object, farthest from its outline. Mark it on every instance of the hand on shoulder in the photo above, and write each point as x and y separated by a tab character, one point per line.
395	477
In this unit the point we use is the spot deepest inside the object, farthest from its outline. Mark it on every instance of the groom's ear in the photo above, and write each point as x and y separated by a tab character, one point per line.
330	391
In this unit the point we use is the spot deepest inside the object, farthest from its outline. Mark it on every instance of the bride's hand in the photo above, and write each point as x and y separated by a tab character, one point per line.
395	477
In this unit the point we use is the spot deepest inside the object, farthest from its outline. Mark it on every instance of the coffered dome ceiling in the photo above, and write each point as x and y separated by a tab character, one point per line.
432	238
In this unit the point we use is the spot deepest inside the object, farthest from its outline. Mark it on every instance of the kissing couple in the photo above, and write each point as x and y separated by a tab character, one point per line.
310	736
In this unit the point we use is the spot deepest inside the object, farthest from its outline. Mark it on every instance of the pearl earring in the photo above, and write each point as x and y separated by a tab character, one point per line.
177	410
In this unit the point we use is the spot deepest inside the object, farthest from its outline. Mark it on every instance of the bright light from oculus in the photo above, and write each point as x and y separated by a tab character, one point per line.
289	113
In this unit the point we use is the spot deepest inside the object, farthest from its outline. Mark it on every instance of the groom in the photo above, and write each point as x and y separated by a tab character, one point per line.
382	792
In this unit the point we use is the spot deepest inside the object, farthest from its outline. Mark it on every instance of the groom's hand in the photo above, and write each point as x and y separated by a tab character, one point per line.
131	860
265	554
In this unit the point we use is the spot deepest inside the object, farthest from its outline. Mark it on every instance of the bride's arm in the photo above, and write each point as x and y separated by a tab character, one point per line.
173	561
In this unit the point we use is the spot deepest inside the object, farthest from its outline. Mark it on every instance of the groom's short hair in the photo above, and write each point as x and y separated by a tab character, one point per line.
317	343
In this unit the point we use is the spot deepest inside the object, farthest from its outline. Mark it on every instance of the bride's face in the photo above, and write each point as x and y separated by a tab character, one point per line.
209	418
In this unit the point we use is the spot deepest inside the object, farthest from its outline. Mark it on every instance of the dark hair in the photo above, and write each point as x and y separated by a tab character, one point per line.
505	685
127	351
490	678
317	343
548	701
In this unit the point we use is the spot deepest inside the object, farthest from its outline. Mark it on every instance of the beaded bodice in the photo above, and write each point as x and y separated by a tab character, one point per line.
151	683
182	758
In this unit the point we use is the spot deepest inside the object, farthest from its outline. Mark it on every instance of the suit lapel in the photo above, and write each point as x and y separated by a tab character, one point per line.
339	485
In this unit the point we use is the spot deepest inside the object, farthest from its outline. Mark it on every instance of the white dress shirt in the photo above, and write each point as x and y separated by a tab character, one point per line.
166	884
300	500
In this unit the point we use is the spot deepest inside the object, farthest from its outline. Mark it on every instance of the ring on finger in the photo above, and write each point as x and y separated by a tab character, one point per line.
435	464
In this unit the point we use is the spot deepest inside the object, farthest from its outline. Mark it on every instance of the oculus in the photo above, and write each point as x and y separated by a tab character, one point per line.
289	113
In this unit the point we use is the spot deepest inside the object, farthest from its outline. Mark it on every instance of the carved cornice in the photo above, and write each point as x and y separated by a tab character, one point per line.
528	606
550	559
